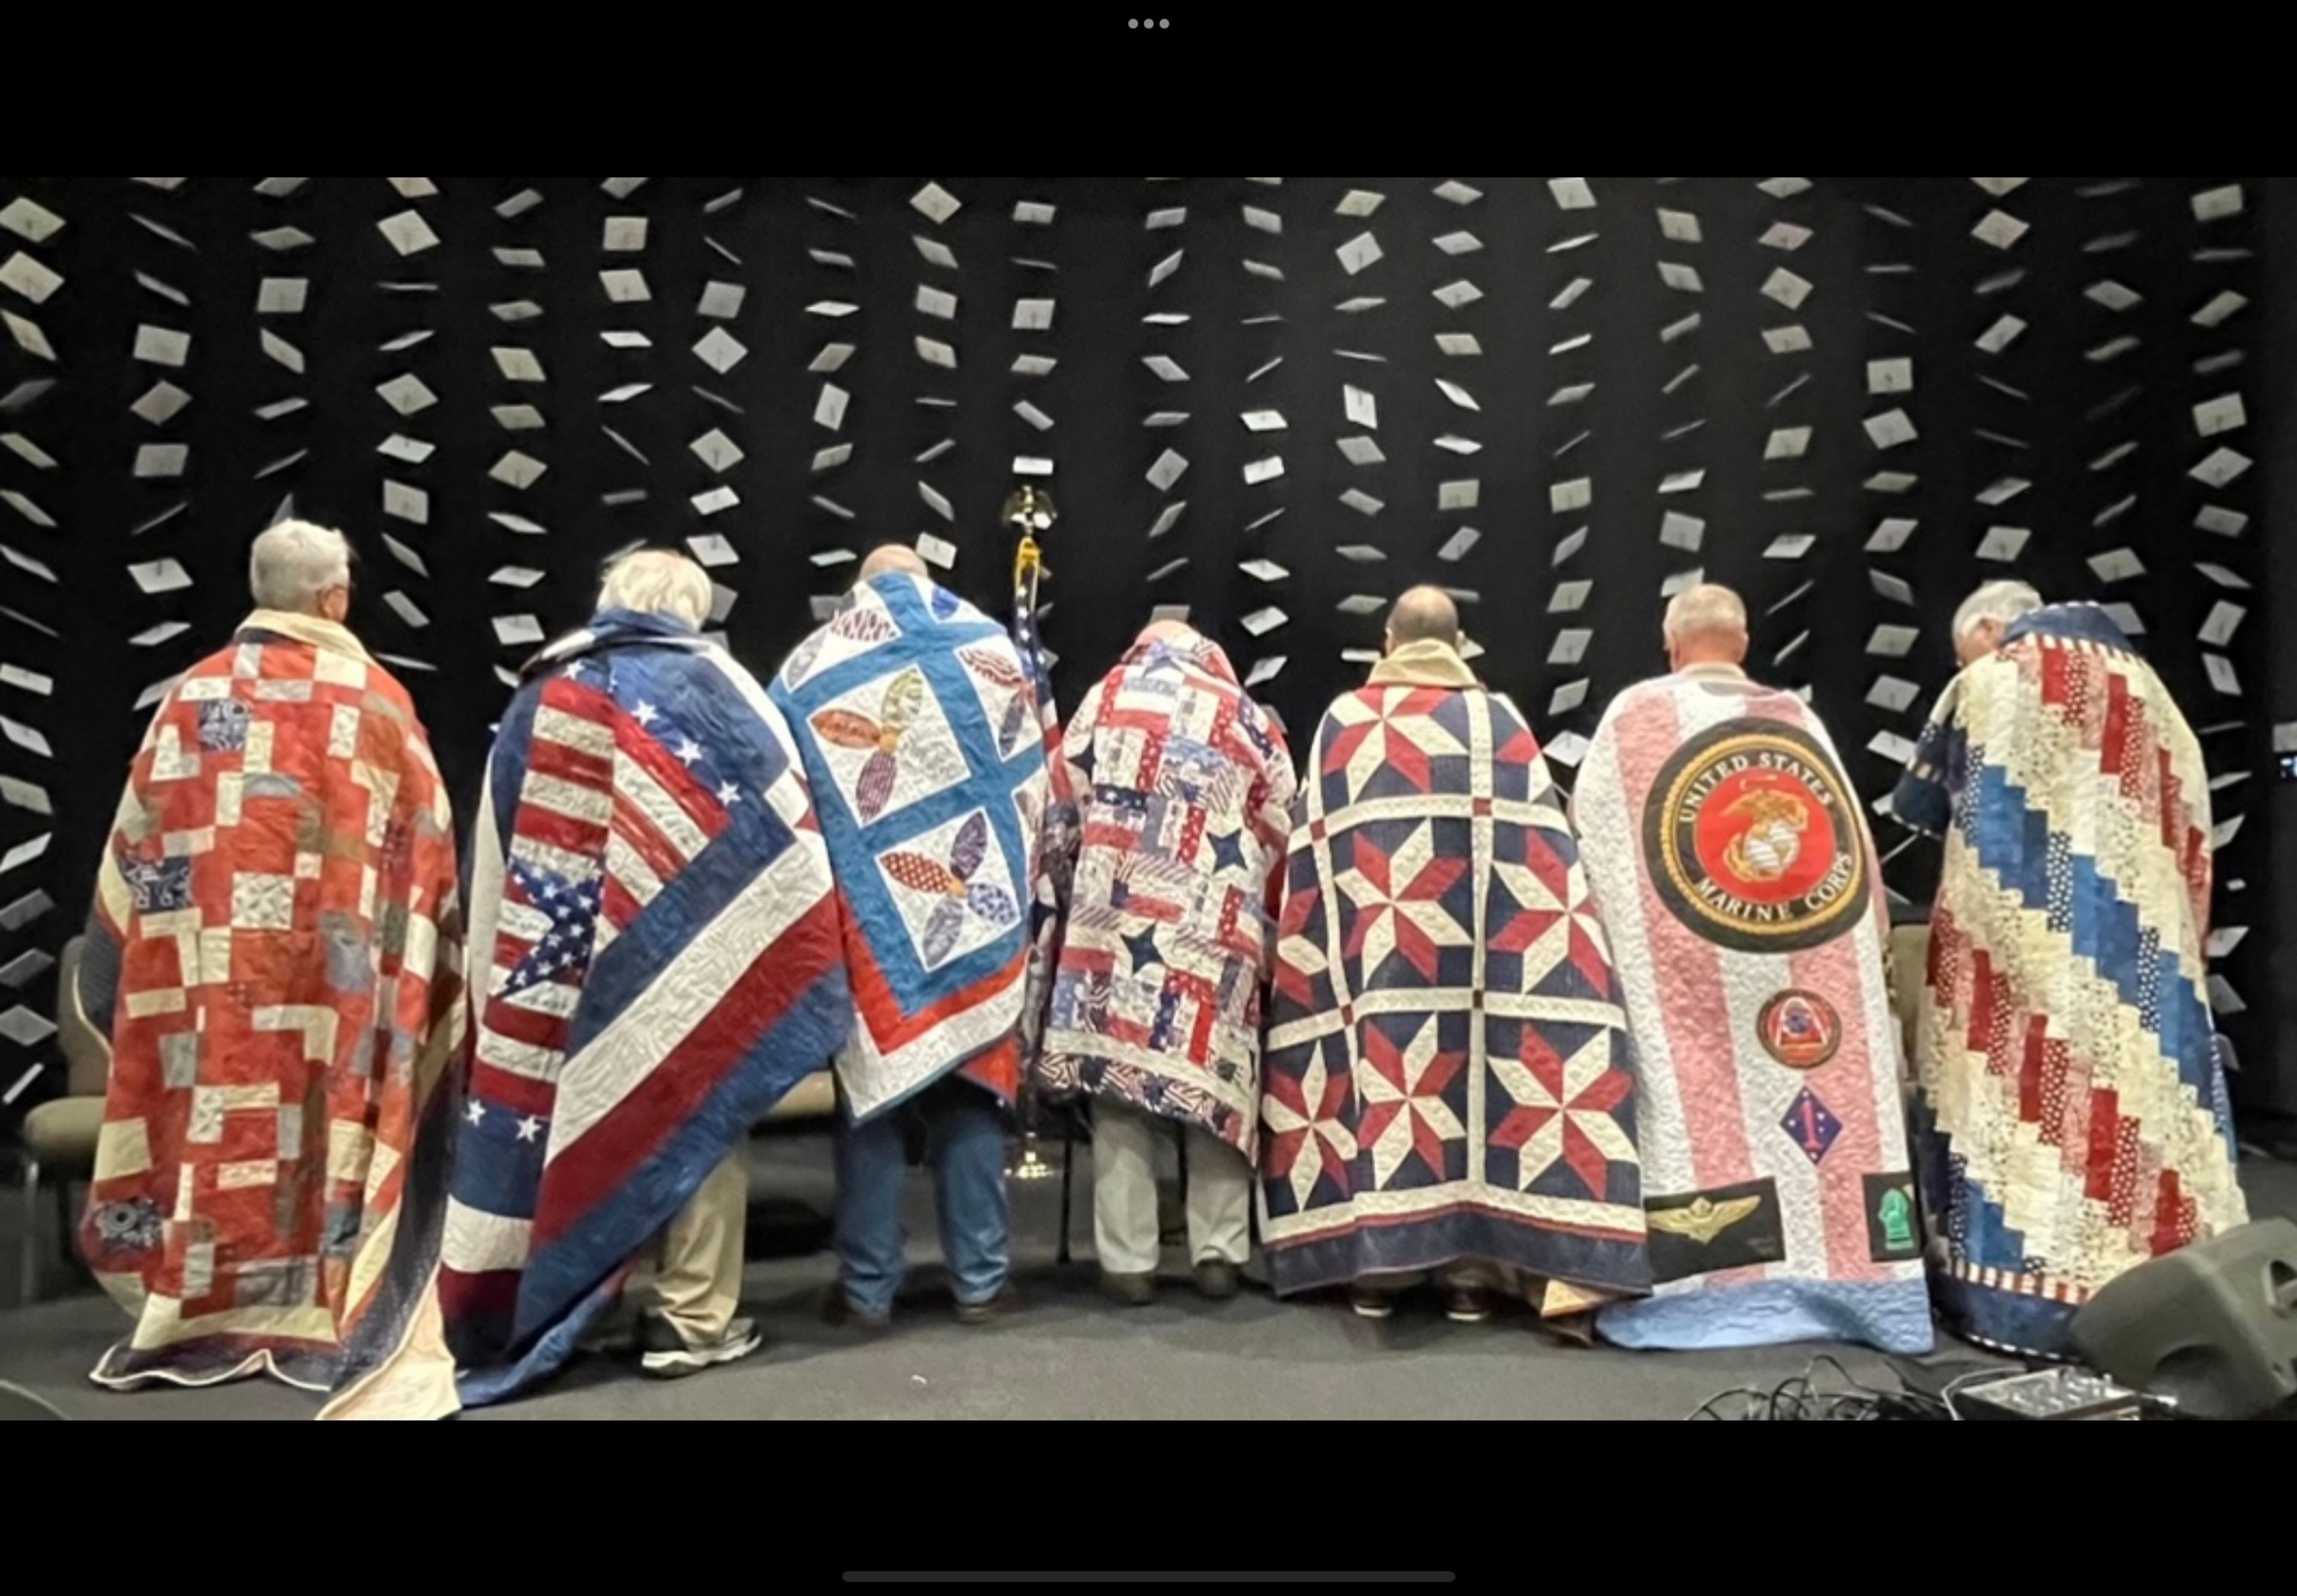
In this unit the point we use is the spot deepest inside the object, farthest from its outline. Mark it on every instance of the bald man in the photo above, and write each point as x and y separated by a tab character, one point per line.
919	732
1181	783
1729	857
1424	624
893	559
1438	962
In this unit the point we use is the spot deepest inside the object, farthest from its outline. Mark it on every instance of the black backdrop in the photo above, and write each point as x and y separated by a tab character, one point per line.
1261	314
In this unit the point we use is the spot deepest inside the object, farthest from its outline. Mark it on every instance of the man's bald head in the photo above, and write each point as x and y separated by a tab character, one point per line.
1166	631
1423	615
1706	625
888	558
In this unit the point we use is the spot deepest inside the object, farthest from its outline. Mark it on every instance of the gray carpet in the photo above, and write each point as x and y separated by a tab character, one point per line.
1066	1354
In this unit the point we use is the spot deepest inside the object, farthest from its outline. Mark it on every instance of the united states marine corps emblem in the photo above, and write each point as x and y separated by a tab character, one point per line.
1753	841
1799	1029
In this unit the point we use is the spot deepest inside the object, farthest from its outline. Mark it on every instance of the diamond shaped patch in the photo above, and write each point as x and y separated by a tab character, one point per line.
1809	1124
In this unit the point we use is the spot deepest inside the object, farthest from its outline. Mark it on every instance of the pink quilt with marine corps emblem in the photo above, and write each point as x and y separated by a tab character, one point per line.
1732	865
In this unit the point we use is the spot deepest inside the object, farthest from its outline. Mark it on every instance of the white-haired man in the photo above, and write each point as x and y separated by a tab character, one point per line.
275	951
1984	617
2072	1118
1731	862
655	963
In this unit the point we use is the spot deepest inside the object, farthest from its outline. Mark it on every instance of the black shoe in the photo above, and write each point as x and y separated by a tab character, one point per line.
1216	1278
996	1307
667	1356
838	1313
1466	1305
1134	1291
1370	1304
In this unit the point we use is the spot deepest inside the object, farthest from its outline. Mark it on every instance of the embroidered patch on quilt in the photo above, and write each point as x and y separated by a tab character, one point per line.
1892	1230
1754	840
1799	1029
1730	1227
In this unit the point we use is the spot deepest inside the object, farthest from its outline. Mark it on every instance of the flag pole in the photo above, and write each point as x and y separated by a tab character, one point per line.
1030	510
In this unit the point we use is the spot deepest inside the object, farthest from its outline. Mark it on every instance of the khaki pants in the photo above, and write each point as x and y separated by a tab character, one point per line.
1124	1228
692	1276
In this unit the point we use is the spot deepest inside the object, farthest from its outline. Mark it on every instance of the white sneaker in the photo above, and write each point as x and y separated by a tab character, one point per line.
667	1357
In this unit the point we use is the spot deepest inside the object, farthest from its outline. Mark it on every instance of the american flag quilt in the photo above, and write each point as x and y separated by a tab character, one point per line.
1183	786
1449	1077
651	897
276	951
1732	866
922	739
2072	1115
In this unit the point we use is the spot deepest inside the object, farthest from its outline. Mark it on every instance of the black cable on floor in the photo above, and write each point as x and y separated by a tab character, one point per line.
1802	1398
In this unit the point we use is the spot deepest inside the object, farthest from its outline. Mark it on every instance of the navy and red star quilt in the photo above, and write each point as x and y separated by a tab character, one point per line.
1448	1076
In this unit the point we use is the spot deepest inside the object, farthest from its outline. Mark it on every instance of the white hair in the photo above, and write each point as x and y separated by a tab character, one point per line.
294	561
1705	608
658	581
2001	602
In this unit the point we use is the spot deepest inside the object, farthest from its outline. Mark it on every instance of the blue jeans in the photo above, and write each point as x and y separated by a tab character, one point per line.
965	1147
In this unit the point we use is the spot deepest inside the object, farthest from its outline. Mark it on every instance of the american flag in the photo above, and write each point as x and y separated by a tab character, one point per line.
1057	836
664	964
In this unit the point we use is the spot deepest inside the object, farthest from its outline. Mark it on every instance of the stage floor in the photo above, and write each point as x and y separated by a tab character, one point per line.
1064	1354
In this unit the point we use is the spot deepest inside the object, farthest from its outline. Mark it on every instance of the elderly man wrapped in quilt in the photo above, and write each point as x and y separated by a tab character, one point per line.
1449	1086
655	961
1181	783
919	729
2073	1116
1731	863
276	951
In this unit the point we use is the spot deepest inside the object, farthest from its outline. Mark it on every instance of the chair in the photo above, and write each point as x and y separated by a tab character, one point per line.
813	1098
60	1135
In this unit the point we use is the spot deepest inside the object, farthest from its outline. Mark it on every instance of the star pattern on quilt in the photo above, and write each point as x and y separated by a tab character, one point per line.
961	897
1399	734
1142	946
1404	1107
1300	958
562	951
1563	1110
1227	850
1398	900
1307	1135
1554	920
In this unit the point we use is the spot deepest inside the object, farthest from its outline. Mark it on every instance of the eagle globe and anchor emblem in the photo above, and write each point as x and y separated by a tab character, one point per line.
1767	849
1753	841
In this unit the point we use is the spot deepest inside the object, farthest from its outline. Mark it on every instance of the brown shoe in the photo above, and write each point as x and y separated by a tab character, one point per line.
996	1307
1368	1304
1134	1291
1216	1278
